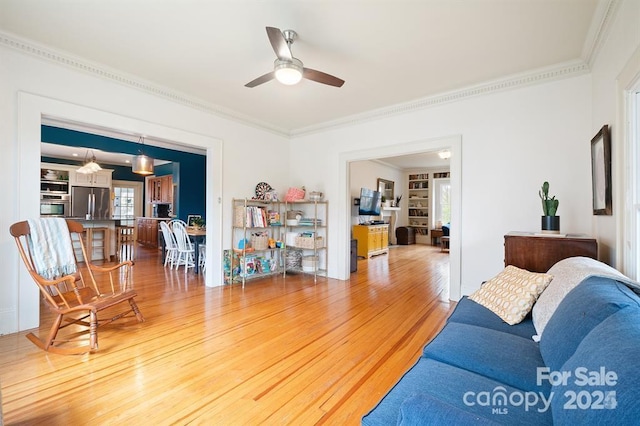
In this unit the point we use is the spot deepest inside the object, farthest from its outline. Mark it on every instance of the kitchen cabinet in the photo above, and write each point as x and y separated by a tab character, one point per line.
101	179
160	189
166	189
147	230
372	239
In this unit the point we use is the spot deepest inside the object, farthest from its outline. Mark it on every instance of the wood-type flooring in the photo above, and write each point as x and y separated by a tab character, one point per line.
280	351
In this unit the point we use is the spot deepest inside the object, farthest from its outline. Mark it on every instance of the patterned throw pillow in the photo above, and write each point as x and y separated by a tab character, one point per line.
512	293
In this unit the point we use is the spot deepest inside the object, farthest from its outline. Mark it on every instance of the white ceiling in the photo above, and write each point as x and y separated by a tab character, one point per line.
389	51
78	153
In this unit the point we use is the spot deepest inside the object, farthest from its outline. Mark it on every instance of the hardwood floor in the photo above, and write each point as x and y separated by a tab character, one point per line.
281	351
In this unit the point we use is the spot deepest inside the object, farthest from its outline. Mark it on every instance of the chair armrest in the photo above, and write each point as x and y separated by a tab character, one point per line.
127	264
47	288
110	268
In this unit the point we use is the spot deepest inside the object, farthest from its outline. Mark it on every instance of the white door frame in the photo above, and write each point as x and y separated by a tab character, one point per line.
626	203
31	111
452	143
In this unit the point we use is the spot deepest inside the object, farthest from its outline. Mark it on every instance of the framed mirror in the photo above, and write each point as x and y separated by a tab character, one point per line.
385	187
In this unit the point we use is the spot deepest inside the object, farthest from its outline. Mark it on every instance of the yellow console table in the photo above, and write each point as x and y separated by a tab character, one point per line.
372	239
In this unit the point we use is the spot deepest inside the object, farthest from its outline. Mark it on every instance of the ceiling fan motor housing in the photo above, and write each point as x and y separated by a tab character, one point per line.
289	36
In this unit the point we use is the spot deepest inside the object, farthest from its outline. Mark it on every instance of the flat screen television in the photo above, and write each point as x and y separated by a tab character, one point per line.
370	202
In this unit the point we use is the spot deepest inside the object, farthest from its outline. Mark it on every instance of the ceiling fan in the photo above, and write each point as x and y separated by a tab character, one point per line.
287	69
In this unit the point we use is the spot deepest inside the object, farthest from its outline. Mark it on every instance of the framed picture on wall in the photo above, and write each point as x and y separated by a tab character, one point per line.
601	172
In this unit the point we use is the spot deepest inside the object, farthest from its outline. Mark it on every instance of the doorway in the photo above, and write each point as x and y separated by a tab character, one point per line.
32	109
127	199
454	145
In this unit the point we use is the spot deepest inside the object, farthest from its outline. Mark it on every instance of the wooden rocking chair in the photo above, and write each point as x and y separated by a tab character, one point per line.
77	297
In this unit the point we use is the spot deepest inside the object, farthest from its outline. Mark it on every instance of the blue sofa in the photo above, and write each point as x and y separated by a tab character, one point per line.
480	370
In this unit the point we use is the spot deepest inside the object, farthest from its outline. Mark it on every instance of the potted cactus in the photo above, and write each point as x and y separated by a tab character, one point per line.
550	222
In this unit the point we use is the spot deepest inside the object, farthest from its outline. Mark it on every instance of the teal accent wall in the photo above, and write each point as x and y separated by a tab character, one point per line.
188	170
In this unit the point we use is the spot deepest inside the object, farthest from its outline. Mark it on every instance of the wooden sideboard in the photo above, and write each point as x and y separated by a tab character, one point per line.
538	253
372	239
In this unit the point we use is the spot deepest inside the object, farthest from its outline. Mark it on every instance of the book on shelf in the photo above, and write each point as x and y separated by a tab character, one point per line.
255	217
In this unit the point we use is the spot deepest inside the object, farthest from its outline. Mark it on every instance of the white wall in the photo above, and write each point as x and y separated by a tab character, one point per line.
239	156
508	143
511	142
621	43
365	174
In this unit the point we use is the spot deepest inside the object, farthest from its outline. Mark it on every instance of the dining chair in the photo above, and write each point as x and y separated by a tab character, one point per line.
46	247
170	245
186	252
202	257
181	222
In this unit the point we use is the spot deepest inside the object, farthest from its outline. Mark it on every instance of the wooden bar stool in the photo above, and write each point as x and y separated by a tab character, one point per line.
91	241
125	242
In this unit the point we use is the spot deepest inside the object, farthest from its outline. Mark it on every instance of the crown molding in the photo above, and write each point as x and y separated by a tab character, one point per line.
595	39
599	30
98	70
544	75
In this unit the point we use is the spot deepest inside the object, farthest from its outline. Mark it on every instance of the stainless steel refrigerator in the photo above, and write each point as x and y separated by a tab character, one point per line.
93	201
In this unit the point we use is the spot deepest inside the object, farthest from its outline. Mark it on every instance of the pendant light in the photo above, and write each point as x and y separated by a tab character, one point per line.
89	166
445	155
142	164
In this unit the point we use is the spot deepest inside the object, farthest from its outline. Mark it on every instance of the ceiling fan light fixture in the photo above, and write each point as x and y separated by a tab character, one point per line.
288	72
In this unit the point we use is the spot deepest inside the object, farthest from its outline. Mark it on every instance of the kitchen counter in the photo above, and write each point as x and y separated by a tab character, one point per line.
98	223
124	221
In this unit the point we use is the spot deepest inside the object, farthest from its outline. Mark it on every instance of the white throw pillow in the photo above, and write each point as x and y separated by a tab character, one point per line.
567	274
512	293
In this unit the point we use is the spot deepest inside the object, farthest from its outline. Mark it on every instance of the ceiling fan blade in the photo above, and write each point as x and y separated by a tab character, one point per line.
262	79
278	43
322	77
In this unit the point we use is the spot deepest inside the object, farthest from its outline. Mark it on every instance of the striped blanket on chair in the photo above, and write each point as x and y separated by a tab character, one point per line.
51	248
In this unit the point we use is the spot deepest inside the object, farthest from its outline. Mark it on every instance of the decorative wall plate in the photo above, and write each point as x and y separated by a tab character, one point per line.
261	189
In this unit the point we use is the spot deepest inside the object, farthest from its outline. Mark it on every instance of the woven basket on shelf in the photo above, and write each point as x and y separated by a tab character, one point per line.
259	242
307	242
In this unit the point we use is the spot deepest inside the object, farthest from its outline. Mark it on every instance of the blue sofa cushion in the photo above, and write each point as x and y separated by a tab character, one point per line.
469	312
504	357
425	410
459	388
584	307
612	347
